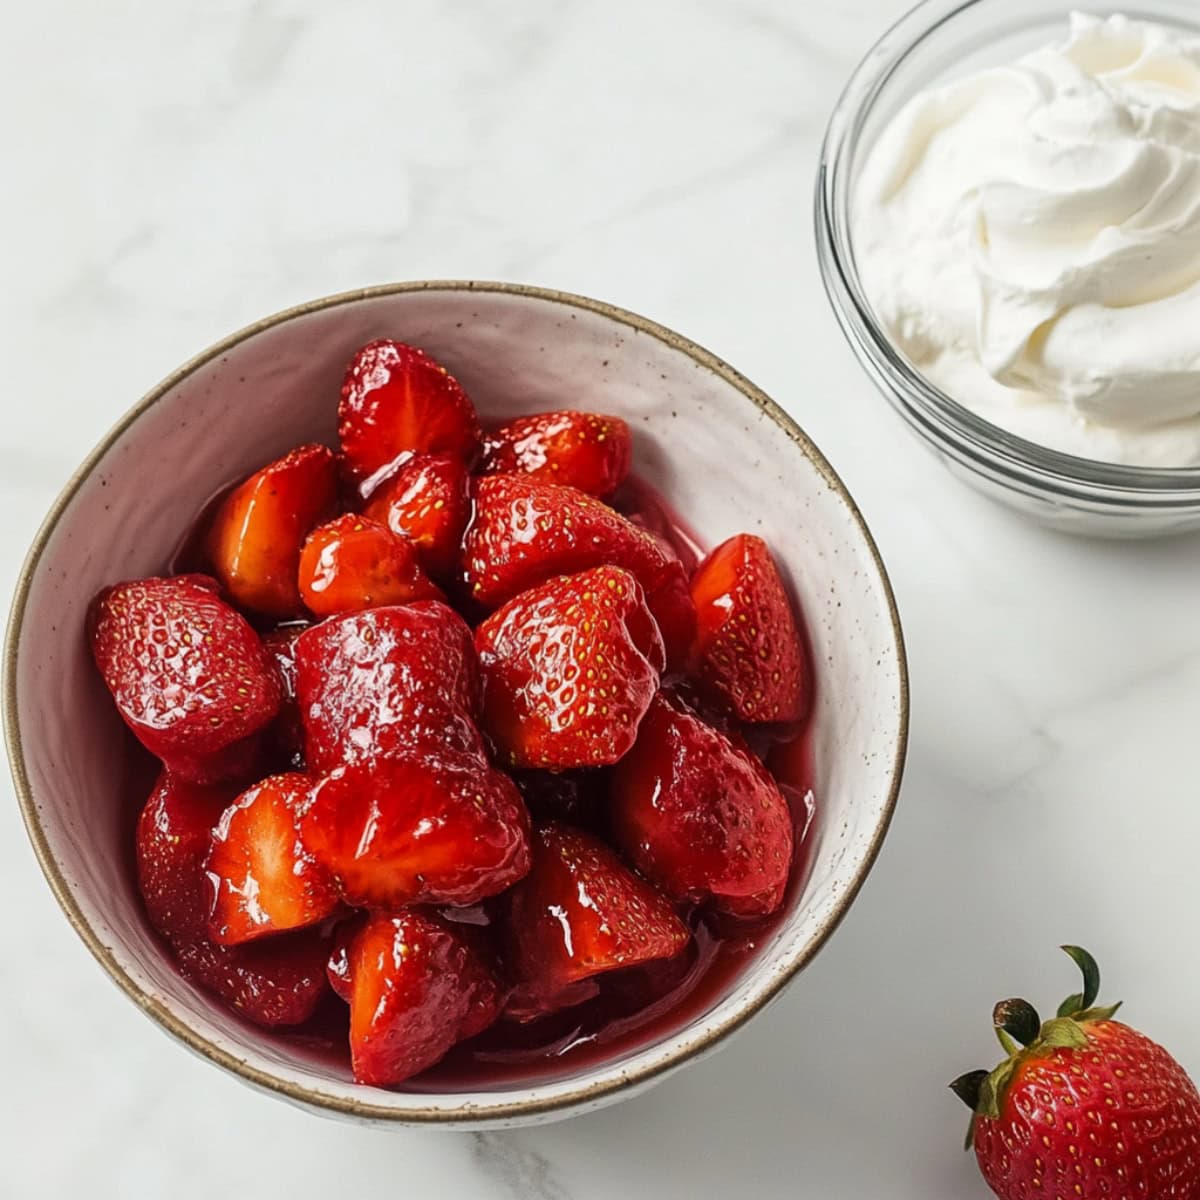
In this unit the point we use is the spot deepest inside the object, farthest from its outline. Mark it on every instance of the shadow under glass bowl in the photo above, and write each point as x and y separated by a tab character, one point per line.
939	40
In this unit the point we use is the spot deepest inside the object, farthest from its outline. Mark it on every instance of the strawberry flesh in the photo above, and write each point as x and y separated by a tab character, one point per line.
569	668
397	402
584	450
380	682
700	815
748	651
416	987
353	563
188	674
253	541
263	879
431	827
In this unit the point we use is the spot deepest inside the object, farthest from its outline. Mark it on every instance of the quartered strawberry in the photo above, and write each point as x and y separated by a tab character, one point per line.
375	683
188	674
436	827
263	879
525	532
253	541
569	668
748	651
585	450
580	912
700	815
396	401
416	987
428	502
353	563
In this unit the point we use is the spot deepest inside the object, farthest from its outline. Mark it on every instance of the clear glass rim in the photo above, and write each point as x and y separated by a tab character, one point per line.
939	417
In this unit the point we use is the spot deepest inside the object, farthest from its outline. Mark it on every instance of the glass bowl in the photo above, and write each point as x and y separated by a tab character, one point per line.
937	41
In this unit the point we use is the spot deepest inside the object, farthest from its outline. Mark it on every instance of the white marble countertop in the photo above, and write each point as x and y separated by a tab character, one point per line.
173	171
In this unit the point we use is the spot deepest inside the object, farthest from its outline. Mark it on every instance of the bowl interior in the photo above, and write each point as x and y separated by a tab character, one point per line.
704	438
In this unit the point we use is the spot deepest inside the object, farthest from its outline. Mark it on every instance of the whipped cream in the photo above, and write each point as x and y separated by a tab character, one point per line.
1030	238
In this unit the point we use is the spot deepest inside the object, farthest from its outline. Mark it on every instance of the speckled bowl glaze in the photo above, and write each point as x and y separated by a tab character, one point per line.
719	449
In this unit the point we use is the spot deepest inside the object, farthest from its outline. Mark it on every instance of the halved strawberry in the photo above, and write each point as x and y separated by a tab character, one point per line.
569	668
397	401
584	450
701	816
416	988
375	683
188	674
428	502
525	532
264	880
353	563
439	827
253	541
579	912
748	651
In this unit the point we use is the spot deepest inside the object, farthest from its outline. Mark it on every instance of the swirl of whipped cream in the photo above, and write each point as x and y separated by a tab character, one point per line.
1030	236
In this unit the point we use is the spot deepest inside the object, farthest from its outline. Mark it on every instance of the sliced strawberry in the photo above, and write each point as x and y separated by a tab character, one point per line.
254	539
748	651
278	981
188	674
585	450
428	502
375	683
264	880
396	401
353	563
569	668
701	816
437	827
525	532
416	988
579	912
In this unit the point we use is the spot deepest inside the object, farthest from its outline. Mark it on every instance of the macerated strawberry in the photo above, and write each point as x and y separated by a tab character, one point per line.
748	651
264	880
286	733
353	563
397	401
584	450
427	501
254	538
376	683
416	987
579	912
525	532
188	674
569	668
701	816
429	827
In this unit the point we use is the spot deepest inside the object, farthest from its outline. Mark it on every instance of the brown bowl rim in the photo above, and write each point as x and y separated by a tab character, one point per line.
469	1113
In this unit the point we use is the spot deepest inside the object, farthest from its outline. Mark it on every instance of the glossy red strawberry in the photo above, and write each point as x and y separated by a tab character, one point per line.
264	881
375	683
700	815
286	733
569	668
585	450
748	651
353	563
253	540
431	827
415	989
428	502
525	532
578	913
188	674
1084	1106
396	401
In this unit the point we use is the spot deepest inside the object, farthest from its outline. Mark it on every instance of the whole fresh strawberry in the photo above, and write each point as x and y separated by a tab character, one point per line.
1082	1106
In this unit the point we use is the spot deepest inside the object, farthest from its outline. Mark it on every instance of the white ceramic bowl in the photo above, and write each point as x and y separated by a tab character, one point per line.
718	448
